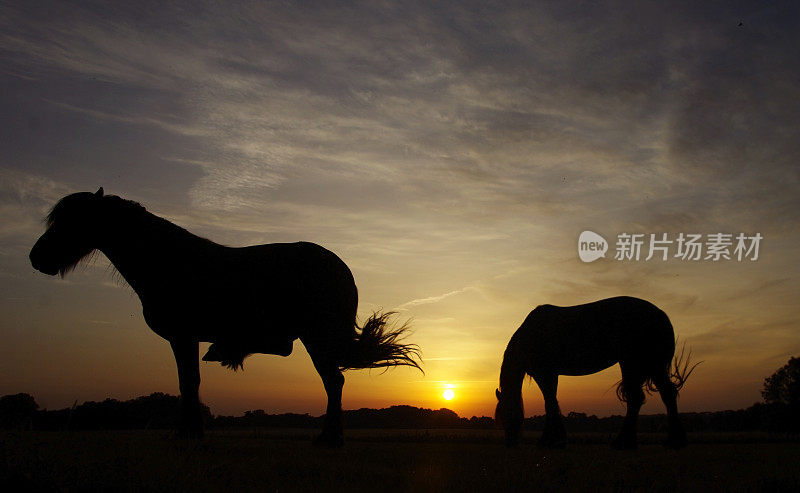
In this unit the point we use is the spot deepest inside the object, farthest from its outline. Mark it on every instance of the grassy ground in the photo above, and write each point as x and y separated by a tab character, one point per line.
378	460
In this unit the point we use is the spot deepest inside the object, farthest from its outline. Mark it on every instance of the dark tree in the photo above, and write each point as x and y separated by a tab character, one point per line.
16	411
782	396
783	387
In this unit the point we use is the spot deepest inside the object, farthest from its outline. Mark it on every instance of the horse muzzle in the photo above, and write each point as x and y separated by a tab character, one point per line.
38	264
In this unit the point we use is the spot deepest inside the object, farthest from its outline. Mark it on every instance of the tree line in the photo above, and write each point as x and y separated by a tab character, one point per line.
779	412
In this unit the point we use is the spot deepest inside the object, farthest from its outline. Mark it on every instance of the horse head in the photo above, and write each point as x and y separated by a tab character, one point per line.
509	414
71	235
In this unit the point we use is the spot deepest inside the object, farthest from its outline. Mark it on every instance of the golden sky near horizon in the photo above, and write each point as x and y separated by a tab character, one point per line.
451	155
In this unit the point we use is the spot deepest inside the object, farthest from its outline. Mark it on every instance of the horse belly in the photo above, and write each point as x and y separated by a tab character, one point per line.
253	324
586	367
574	351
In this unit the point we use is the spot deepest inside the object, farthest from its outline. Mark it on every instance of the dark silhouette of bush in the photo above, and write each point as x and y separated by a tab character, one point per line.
394	417
403	417
17	411
155	411
783	386
260	419
162	411
782	397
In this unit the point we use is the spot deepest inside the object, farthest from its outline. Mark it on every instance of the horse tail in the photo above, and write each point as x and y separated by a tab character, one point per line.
682	367
378	344
678	372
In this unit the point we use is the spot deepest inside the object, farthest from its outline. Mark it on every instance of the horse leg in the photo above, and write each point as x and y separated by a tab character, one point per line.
332	430
632	381
677	436
186	357
554	434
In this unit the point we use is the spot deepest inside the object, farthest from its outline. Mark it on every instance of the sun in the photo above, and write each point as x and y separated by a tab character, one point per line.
448	393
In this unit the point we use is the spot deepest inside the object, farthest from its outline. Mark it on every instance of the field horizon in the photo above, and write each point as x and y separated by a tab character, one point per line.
162	411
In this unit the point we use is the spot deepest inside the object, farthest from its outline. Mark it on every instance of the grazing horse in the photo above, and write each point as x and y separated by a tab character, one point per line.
255	299
585	339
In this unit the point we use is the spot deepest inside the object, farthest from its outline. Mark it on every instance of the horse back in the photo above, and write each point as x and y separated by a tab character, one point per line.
270	290
585	339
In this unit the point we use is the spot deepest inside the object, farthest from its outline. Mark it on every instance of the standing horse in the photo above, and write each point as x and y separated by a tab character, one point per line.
255	299
585	339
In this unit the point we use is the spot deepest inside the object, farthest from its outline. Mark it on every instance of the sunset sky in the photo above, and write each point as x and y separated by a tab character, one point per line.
449	153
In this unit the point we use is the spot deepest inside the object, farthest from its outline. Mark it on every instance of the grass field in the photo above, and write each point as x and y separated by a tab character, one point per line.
378	460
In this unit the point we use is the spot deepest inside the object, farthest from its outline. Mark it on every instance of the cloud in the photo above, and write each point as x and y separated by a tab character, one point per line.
302	95
24	200
430	145
434	299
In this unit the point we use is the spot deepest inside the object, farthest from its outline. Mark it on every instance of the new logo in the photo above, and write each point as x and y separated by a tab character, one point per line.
591	246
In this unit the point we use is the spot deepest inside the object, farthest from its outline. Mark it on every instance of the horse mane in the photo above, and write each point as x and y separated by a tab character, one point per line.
125	204
512	371
80	203
76	202
512	375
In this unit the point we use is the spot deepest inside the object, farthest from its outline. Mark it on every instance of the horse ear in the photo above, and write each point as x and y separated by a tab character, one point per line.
99	192
497	393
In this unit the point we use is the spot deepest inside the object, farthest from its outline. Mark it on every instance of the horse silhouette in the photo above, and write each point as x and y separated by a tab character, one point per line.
255	299
585	339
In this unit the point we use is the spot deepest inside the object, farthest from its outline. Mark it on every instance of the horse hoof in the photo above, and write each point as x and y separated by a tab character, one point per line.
328	441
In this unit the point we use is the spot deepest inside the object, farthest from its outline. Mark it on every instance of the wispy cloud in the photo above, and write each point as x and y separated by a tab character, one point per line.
434	299
423	142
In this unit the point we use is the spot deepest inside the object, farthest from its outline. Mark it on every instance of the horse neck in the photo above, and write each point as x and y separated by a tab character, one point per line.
139	247
512	371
